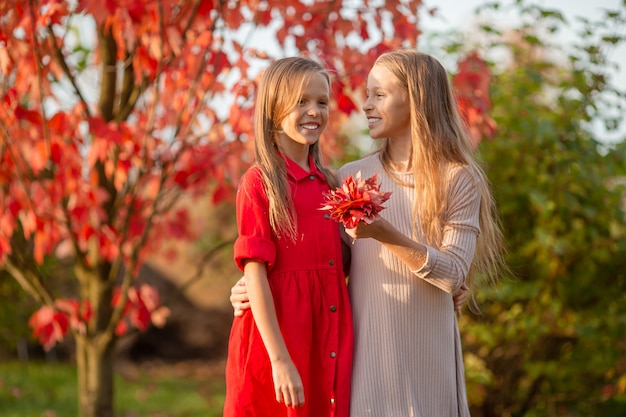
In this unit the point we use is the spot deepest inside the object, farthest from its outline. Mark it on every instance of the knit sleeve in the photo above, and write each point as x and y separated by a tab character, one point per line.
255	234
446	267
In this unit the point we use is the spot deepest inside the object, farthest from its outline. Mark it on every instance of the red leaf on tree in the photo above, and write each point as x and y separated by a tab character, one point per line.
264	17
471	85
205	7
356	200
108	243
44	241
222	193
78	313
177	225
362	24
49	326
344	103
99	9
241	119
5	245
28	221
146	63
31	116
142	308
54	11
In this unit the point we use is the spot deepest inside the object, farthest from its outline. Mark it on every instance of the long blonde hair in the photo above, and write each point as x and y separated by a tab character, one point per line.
278	94
439	138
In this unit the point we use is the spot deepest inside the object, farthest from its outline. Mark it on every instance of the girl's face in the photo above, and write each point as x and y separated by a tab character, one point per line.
306	122
387	105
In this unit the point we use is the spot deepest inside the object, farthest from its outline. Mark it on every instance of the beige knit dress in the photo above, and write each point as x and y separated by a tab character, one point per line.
408	360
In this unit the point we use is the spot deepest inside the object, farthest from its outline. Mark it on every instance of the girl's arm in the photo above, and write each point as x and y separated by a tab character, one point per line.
446	266
417	256
287	381
411	253
240	301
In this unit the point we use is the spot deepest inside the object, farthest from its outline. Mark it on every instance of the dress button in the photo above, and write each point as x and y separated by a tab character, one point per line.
332	401
333	354
327	216
331	262
333	308
311	177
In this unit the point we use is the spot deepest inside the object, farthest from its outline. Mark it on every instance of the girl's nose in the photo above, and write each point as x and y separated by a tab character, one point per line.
366	105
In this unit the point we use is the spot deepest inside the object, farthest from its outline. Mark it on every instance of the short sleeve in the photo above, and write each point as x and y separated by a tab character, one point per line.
255	234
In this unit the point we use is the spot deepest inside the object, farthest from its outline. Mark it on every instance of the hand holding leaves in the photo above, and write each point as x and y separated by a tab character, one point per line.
356	200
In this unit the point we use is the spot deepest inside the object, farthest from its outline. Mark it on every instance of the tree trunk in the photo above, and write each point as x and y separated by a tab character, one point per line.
94	360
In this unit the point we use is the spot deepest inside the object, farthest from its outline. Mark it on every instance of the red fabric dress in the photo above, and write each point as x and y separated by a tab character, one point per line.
311	299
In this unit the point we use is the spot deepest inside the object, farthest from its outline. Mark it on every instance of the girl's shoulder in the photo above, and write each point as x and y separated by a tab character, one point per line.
461	178
252	176
251	183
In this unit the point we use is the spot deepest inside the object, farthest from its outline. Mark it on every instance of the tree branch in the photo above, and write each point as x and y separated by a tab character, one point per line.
134	259
196	82
80	255
130	91
192	17
33	22
200	270
29	282
159	71
108	50
58	55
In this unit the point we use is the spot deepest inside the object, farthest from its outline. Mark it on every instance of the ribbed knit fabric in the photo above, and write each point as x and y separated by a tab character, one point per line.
408	360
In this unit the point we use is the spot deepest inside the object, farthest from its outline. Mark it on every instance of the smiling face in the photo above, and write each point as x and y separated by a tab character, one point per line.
387	106
305	123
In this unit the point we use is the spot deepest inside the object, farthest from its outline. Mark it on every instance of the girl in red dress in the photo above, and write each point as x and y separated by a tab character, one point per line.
291	353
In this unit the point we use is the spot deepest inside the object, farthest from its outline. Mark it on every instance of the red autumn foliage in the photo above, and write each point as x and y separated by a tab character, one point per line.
111	110
49	326
51	323
357	200
142	307
471	85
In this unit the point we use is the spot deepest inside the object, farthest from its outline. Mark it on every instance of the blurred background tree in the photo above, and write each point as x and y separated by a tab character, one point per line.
551	340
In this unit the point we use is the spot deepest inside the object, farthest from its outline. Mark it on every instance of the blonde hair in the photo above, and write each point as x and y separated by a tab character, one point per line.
439	138
278	94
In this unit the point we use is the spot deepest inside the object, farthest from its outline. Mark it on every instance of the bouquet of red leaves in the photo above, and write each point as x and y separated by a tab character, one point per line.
356	200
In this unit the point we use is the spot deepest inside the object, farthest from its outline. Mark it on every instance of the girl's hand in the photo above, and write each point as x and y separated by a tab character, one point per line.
287	383
459	297
239	297
364	230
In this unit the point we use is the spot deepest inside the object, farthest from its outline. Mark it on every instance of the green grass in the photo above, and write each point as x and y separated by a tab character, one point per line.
49	390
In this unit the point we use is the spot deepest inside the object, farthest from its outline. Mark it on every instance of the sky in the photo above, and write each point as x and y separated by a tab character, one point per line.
459	15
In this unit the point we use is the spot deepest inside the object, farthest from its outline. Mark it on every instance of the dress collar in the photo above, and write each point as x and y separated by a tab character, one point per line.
298	173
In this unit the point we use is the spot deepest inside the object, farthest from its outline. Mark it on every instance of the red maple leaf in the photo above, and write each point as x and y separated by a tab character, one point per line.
142	308
51	323
49	326
356	200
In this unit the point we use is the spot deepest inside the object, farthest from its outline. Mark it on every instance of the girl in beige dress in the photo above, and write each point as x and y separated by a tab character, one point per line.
439	228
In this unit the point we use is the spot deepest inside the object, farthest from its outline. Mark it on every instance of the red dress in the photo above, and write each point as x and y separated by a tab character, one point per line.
311	299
